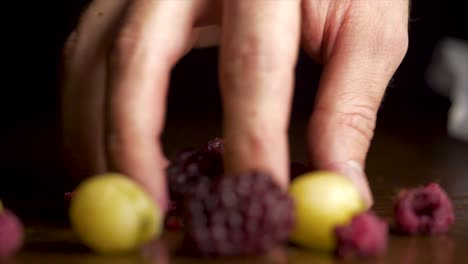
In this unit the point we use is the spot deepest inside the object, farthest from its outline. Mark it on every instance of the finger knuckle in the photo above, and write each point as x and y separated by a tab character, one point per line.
70	46
81	34
391	29
126	44
133	44
356	119
252	55
259	55
394	41
383	28
361	119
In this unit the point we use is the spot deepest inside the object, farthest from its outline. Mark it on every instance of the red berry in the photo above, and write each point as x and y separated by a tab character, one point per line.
174	222
366	235
173	207
11	234
423	210
67	197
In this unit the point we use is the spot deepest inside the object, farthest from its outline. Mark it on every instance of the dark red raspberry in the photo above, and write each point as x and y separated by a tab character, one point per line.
237	215
297	169
11	234
172	207
67	197
366	236
189	167
173	222
425	210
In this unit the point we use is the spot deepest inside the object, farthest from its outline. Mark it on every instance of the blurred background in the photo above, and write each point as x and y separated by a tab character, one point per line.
30	160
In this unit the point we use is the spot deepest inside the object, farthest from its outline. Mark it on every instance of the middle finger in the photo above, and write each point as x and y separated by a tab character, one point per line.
259	49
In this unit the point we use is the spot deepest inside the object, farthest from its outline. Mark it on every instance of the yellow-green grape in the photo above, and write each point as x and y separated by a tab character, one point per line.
323	200
1	206
111	214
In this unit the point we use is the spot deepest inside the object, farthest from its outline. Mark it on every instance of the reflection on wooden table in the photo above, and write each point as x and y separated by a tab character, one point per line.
60	246
395	161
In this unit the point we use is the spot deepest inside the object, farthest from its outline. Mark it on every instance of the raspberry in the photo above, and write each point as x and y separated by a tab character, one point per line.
172	207
173	222
297	169
11	234
67	198
237	215
173	219
425	210
190	167
366	235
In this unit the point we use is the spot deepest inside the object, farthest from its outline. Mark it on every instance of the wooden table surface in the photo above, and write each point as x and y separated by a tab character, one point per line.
403	154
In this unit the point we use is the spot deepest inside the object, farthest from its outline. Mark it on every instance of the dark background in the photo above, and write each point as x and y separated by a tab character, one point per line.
30	161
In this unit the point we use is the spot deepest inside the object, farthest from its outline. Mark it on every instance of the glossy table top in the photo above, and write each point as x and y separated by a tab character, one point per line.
398	158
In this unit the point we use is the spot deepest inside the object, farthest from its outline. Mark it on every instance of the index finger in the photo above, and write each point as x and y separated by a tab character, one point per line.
154	35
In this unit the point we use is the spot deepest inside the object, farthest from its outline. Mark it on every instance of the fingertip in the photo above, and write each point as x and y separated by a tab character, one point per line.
354	171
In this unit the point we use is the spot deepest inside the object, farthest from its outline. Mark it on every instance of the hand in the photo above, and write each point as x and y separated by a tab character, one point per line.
118	62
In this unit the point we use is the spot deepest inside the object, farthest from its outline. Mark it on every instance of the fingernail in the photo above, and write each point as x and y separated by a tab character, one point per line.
355	166
355	172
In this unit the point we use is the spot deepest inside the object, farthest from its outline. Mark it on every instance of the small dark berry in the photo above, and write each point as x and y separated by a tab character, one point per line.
215	145
174	223
237	215
184	154
67	197
192	166
172	207
366	236
425	210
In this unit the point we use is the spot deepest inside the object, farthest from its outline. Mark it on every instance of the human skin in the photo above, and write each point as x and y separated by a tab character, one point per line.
118	60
